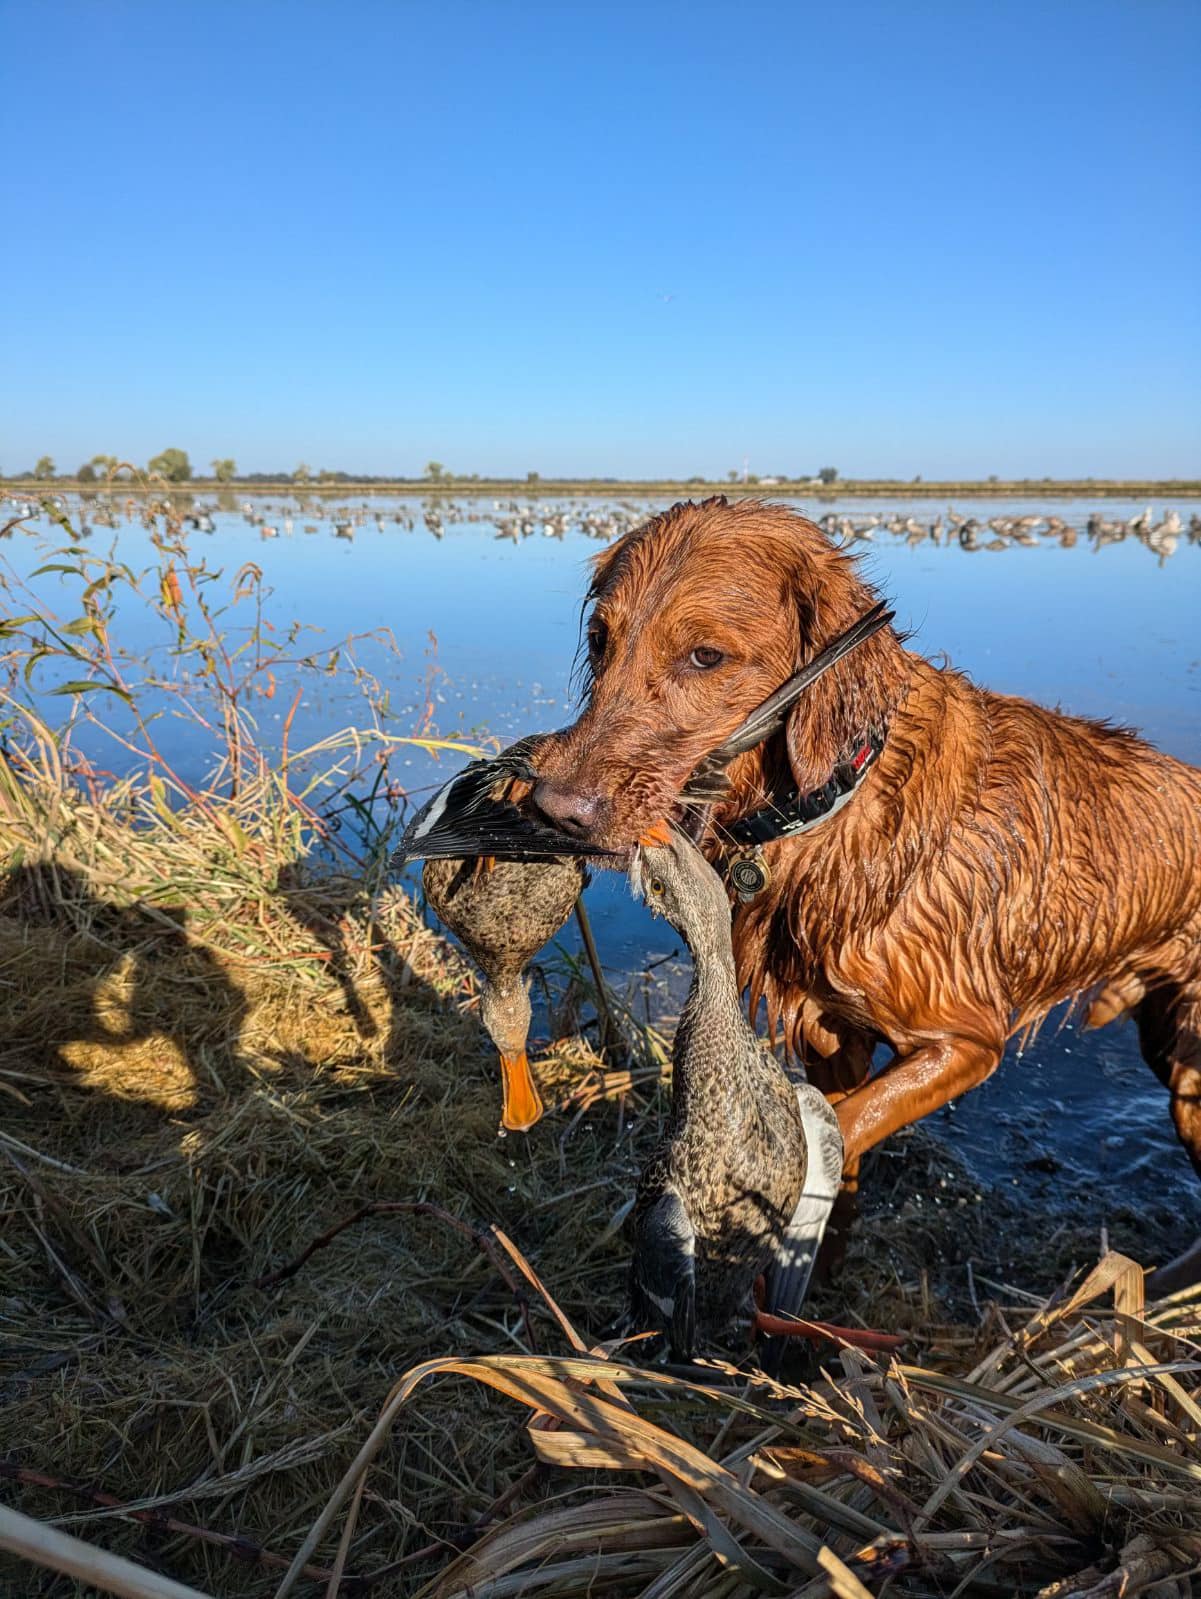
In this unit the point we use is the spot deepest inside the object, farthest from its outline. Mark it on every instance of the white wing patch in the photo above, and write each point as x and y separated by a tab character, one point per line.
436	808
788	1278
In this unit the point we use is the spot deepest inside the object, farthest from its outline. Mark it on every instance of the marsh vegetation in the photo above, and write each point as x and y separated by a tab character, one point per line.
227	1031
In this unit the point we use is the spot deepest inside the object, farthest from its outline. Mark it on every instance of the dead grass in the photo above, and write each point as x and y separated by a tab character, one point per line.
194	1090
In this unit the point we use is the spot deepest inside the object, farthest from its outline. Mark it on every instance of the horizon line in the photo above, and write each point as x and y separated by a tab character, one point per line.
145	482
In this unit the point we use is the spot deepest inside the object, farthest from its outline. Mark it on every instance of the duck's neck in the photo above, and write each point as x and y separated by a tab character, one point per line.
709	1060
712	951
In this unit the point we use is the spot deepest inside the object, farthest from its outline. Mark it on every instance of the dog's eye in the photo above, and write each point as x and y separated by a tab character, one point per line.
598	640
706	657
657	886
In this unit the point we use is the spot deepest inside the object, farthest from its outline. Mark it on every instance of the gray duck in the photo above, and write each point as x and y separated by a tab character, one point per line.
744	1179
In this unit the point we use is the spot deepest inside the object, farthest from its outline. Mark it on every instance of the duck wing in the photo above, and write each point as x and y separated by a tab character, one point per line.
708	780
789	1273
471	815
663	1273
498	829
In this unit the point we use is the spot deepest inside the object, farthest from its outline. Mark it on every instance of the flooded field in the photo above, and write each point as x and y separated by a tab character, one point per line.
468	619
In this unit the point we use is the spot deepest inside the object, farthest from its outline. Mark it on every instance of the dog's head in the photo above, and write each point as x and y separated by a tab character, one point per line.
694	620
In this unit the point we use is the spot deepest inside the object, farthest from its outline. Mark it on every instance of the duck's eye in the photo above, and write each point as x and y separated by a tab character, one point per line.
657	887
706	657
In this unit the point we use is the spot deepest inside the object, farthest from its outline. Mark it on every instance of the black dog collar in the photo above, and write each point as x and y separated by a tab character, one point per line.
796	813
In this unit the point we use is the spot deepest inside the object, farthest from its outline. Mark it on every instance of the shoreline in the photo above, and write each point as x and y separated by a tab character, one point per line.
581	488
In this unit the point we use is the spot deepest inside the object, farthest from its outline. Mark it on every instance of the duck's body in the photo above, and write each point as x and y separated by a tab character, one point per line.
744	1179
501	906
503	913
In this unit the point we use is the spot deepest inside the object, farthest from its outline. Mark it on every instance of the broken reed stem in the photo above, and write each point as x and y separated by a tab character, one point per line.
59	1551
608	1028
352	1516
235	1544
247	1550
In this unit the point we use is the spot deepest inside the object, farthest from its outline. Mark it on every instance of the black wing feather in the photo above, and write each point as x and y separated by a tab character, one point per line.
500	829
464	819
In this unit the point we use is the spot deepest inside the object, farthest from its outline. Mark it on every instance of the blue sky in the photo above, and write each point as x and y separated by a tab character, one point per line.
610	239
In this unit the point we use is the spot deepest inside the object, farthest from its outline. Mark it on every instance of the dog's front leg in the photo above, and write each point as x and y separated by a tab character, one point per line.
911	1087
837	1056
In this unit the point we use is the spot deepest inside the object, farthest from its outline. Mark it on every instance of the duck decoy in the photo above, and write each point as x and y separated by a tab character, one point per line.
746	1174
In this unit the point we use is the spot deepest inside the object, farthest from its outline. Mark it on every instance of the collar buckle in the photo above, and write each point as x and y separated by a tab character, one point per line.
749	874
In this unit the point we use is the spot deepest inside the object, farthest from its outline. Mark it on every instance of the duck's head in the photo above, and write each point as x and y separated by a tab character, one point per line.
677	883
505	1013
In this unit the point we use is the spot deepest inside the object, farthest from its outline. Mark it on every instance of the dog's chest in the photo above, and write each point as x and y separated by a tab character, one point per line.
802	960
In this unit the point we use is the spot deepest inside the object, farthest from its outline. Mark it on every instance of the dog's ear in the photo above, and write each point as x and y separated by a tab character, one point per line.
857	694
605	565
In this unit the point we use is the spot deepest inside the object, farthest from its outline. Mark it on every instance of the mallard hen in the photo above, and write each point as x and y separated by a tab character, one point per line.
503	913
744	1179
503	910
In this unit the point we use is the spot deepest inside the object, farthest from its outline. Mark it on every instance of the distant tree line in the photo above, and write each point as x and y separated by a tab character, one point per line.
824	474
174	466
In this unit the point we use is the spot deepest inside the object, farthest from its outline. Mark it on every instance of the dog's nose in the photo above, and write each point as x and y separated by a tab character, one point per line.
571	810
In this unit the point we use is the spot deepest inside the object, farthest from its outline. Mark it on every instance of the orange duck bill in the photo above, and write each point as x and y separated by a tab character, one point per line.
522	1101
818	1331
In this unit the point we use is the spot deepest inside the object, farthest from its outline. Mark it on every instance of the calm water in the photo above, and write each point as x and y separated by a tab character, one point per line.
492	626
